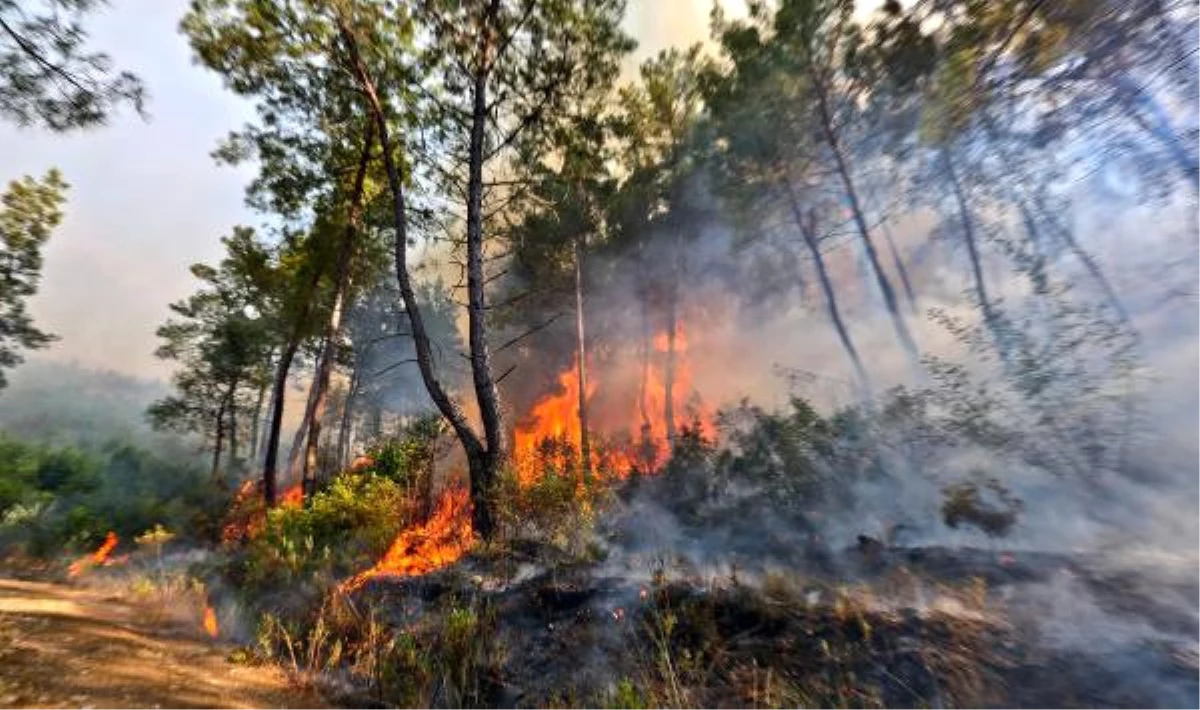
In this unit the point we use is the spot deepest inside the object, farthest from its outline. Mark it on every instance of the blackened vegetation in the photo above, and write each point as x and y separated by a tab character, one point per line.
575	634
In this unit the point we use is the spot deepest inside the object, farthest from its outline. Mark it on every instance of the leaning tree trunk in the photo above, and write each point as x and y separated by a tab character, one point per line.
843	169
809	234
909	292
990	318
1134	99
448	408
279	393
296	452
585	449
334	326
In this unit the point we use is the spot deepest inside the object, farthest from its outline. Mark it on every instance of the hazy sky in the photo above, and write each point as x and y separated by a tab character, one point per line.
146	198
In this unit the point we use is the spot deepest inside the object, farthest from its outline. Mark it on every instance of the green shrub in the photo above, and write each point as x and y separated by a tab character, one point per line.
342	529
409	457
53	498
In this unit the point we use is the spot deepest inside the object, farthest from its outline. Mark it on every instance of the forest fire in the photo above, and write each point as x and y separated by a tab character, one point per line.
99	557
555	417
421	549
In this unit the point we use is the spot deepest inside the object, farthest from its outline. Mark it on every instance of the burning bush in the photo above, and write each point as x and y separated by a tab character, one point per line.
344	528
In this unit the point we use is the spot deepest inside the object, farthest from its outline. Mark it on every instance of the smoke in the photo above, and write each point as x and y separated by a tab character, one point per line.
1105	540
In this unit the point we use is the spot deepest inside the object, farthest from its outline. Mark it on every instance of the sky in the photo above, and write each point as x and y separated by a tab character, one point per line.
146	198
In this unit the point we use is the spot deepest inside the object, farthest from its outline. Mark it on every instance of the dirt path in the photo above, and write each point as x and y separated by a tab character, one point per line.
67	647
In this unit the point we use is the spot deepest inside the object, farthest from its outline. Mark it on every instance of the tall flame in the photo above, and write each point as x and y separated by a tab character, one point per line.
654	449
96	558
441	540
554	417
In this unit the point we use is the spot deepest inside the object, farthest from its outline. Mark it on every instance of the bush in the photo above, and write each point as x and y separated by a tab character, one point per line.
342	529
53	498
967	503
409	457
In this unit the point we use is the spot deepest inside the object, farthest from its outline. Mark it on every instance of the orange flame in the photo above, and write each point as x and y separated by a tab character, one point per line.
688	409
448	535
210	621
422	549
556	417
247	516
99	557
292	497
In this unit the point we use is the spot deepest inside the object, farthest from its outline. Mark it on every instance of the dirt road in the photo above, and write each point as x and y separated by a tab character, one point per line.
66	647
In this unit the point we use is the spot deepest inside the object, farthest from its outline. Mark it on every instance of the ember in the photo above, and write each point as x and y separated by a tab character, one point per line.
99	557
421	549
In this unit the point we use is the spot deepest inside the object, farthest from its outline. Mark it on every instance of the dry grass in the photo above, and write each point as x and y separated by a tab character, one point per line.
778	647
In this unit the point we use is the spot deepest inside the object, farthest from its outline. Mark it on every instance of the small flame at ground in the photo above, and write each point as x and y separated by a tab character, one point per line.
292	497
210	621
421	549
99	557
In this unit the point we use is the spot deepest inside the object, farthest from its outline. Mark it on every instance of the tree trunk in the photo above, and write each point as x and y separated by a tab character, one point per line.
968	230
421	344
644	446
808	232
864	232
219	443
255	423
486	395
1067	237
270	491
672	329
1135	99
343	443
585	449
233	425
294	469
334	327
909	292
647	338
